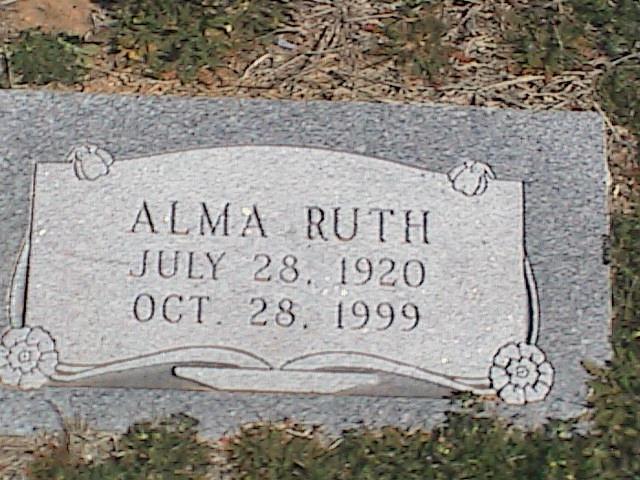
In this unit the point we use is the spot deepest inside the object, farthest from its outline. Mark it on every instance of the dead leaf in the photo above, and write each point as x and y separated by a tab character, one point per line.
206	76
169	75
461	56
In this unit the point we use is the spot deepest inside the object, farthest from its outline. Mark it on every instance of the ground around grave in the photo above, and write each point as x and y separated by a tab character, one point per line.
536	54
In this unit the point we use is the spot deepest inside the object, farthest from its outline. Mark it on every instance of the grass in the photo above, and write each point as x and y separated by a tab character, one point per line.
168	38
557	36
619	90
166	449
414	38
616	24
40	58
544	38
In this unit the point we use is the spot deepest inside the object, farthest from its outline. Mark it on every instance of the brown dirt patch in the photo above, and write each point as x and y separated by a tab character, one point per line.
70	16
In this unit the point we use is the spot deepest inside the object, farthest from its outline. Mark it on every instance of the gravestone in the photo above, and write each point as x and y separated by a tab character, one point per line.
329	262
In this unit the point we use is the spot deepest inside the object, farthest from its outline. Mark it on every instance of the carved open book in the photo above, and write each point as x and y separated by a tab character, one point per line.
349	275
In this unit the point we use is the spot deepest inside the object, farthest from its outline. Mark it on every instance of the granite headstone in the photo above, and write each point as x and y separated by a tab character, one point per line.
330	262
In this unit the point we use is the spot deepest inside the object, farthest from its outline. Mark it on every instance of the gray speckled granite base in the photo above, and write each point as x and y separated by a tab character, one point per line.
559	156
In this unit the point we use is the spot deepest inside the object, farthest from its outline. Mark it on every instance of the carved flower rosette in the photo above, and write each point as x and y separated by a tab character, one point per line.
521	374
27	357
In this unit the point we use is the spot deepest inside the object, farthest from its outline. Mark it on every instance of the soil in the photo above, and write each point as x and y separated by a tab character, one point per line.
70	16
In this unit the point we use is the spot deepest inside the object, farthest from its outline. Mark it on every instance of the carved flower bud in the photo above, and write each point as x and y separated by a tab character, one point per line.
470	178
90	162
